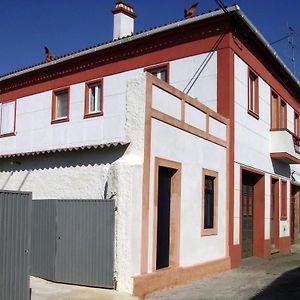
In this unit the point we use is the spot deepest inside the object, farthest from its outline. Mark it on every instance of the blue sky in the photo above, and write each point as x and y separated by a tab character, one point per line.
68	25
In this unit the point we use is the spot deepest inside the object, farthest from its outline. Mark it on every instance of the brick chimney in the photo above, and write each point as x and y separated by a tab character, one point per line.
124	16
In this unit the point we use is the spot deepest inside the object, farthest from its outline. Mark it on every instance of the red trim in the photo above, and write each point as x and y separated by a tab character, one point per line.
124	11
88	114
255	112
283	200
276	210
158	67
225	106
13	133
285	156
55	120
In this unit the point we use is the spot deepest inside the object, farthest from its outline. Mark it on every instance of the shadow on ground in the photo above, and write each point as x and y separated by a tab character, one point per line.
284	287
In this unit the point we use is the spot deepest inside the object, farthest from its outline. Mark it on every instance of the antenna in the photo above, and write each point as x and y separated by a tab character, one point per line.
293	46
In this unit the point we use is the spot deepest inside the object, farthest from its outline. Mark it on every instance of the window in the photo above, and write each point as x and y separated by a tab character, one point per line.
282	115
274	111
253	103
60	106
8	118
161	72
209	202
283	209
278	112
93	104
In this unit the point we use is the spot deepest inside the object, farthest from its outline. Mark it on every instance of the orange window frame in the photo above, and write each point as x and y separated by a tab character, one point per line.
12	133
54	118
166	66
253	94
88	85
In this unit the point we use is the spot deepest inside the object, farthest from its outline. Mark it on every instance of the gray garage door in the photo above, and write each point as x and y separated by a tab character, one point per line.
14	248
73	241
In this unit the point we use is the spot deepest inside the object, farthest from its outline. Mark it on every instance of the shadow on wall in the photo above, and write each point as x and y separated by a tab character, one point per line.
281	168
86	157
284	287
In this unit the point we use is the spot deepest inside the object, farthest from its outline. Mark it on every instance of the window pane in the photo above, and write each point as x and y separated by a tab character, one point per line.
160	73
62	105
7	117
274	118
209	203
282	114
95	98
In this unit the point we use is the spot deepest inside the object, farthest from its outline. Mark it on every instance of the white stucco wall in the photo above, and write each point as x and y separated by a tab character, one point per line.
254	142
176	145
197	78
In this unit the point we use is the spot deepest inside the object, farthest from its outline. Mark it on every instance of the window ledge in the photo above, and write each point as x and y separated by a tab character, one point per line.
62	120
253	114
93	115
207	232
7	134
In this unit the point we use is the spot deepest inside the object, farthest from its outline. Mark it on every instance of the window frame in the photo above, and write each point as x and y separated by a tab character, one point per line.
158	67
214	229
283	200
280	123
253	101
12	133
296	124
55	93
87	113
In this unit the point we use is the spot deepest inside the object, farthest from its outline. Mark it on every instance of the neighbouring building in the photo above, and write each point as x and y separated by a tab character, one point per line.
193	129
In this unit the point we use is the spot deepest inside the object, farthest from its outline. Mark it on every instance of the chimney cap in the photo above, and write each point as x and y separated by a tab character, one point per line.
124	7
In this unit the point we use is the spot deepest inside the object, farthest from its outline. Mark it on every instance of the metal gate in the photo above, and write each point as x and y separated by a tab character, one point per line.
73	241
15	208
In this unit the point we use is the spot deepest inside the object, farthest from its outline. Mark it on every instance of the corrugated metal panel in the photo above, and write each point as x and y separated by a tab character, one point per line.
84	242
15	209
43	243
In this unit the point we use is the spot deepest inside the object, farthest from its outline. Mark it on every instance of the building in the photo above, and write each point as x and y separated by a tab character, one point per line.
215	135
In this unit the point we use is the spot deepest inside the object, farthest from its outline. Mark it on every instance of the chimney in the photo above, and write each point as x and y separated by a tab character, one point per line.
124	16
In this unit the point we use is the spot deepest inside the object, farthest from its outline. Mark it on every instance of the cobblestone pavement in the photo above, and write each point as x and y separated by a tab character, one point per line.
276	278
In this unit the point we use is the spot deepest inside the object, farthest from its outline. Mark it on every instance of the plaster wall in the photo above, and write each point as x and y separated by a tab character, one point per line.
174	144
254	142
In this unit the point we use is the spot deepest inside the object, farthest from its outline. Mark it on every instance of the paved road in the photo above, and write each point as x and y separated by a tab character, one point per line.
257	279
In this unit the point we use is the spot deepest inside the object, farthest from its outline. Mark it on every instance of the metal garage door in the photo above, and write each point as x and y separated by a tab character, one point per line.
15	210
73	241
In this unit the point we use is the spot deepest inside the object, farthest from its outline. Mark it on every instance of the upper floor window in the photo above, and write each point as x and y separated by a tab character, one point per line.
297	125
253	97
60	105
93	104
278	112
209	202
161	72
8	118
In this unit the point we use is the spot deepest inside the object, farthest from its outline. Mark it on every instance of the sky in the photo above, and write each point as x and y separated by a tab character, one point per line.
69	25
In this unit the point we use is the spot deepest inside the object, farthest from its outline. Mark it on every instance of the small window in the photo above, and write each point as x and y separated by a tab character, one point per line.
8	117
60	106
253	103
209	202
161	72
93	105
283	209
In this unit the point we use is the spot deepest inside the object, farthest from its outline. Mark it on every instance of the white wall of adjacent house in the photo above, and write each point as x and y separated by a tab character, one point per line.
253	144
